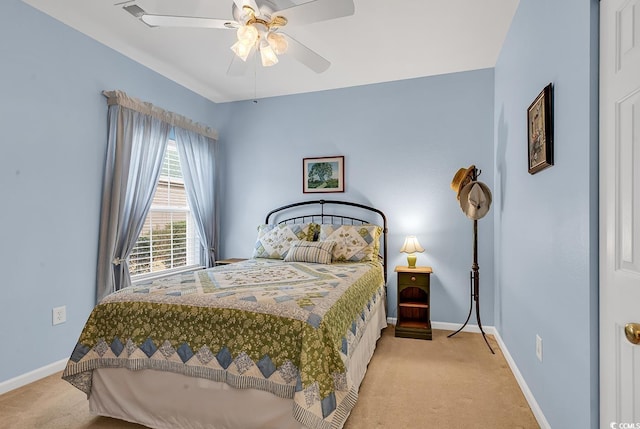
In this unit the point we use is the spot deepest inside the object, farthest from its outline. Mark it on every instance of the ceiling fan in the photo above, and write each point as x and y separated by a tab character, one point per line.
258	25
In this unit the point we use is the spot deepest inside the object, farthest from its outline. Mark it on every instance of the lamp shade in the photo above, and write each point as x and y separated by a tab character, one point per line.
278	43
248	34
411	245
241	49
267	55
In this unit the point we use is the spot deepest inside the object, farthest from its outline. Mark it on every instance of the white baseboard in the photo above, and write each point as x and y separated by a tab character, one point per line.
445	326
531	400
533	404
32	376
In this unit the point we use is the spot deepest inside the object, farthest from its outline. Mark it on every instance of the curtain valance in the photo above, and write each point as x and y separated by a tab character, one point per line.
174	119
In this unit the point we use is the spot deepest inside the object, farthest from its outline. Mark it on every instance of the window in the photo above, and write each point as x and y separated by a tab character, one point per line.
168	240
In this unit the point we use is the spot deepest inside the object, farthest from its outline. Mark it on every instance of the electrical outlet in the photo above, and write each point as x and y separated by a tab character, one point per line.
59	315
539	347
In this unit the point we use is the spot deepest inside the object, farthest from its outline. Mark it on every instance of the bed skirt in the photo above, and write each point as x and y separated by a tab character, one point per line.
150	397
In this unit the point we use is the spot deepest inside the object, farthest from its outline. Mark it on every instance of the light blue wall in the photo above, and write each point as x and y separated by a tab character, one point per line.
546	224
402	142
53	120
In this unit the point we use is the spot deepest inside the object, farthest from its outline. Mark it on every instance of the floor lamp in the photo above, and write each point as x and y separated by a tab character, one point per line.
475	200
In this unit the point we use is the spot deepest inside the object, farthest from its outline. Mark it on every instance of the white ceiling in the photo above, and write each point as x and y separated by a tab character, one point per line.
383	41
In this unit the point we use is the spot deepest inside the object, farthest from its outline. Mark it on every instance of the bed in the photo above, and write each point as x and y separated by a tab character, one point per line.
281	340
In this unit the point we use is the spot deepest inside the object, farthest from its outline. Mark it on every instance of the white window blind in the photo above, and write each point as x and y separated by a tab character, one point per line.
168	240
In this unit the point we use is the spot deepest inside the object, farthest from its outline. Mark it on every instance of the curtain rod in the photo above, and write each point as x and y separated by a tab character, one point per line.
121	98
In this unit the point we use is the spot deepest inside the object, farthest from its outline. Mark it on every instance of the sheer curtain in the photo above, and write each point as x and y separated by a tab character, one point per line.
135	149
199	169
138	133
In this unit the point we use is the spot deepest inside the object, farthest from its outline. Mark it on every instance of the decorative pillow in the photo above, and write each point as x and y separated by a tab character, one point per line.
274	240
354	243
318	252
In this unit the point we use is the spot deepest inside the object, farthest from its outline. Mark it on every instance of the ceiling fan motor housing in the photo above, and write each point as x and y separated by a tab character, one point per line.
265	11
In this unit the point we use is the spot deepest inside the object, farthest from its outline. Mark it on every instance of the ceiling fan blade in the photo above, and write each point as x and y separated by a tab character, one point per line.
237	67
186	21
306	56
316	11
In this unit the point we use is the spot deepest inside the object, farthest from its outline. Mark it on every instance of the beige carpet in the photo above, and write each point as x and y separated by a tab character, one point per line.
446	383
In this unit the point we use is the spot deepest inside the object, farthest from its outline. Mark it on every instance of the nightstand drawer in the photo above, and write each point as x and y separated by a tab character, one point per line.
417	279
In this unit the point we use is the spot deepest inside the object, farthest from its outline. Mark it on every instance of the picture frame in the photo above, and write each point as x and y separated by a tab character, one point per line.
323	174
540	131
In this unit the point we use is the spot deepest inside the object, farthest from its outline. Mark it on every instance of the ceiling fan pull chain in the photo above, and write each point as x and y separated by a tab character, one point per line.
255	79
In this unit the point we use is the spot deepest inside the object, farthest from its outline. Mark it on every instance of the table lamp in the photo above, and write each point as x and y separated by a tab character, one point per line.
411	246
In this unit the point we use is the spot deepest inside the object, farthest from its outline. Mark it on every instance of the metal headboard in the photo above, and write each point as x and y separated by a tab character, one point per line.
323	217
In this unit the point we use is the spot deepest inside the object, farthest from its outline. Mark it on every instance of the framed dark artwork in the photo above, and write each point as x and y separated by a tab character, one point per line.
325	174
540	131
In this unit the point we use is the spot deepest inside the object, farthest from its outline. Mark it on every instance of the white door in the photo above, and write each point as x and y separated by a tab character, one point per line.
619	212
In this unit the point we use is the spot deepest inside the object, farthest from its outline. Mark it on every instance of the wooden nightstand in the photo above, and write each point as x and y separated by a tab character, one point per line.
414	295
229	261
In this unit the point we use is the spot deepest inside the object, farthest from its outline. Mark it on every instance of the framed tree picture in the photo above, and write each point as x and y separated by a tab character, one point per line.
540	131
325	174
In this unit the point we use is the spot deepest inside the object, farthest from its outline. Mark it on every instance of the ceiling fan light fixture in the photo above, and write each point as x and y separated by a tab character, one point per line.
247	34
242	50
257	24
278	43
267	55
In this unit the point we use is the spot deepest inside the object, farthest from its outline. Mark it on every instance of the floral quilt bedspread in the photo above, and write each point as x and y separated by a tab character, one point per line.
283	327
